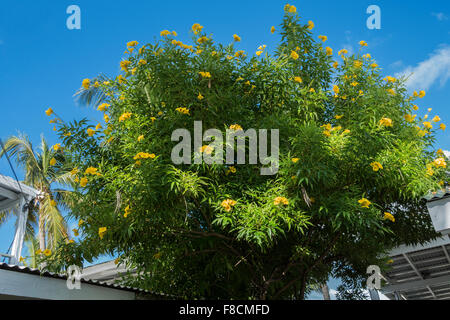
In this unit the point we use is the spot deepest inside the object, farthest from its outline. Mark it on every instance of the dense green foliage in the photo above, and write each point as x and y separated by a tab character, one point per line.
349	152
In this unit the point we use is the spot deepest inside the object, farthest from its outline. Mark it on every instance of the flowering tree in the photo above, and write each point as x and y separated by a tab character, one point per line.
354	163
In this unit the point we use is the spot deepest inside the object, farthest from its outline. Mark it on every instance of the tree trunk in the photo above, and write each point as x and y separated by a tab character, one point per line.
41	230
325	292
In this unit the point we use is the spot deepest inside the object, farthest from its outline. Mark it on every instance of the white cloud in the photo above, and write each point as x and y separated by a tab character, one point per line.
427	72
397	64
440	16
447	153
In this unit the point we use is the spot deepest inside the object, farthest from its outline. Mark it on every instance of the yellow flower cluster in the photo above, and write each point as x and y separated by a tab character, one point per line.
390	79
421	94
290	9
260	50
235	127
49	112
228	204
124	65
386	122
83	182
376	166
92	171
280	200
103	107
294	55
196	28
440	163
323	38
86	83
125	116
127	211
202	39
410	118
144	155
231	169
236	38
182	110
182	45
206	149
90	132
342	52
205	74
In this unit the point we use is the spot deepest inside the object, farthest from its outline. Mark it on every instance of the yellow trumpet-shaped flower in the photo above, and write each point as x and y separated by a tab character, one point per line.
389	216
335	89
196	28
364	203
436	119
376	166
86	83
49	112
83	182
387	122
428	125
102	231
125	116
90	132
103	107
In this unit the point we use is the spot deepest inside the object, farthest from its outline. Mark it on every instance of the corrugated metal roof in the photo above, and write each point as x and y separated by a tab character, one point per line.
28	270
412	270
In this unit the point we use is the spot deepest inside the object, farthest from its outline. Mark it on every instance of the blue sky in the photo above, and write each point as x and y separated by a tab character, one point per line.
42	63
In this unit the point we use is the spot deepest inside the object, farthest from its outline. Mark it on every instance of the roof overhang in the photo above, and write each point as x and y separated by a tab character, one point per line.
24	285
11	192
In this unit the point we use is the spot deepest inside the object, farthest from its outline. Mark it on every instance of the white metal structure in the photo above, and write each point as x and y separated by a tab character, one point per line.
420	272
14	196
107	272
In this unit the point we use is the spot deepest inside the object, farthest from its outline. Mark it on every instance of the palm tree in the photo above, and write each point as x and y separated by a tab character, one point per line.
42	174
